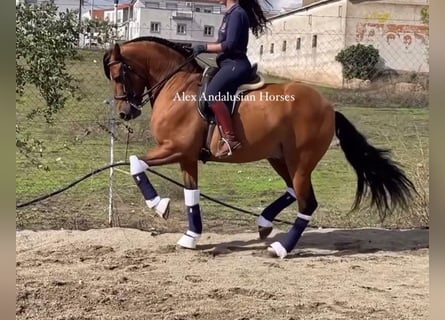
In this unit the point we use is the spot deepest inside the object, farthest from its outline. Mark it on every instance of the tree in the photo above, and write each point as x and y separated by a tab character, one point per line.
102	30
45	40
425	15
358	61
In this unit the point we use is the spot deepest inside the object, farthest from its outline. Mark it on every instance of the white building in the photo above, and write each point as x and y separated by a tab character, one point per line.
176	20
302	43
122	12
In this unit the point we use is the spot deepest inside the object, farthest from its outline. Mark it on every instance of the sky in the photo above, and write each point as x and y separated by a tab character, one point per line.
278	4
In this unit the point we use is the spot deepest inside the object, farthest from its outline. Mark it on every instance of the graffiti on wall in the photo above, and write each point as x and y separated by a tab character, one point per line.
382	17
406	34
400	45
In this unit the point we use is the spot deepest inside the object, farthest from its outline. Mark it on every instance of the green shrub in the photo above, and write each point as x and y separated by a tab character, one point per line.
358	61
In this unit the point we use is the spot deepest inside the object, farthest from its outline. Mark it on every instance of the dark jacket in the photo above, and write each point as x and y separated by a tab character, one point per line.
234	34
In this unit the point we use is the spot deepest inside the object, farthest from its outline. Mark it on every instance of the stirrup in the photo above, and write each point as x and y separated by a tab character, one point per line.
226	142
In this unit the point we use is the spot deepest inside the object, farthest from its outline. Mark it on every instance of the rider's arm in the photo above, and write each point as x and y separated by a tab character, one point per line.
214	47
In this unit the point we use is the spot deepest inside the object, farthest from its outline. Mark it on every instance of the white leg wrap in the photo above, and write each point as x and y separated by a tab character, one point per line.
304	216
188	240
137	166
278	250
291	192
191	197
263	222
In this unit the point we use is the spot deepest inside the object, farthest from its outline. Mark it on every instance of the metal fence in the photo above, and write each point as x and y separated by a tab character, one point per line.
308	48
85	130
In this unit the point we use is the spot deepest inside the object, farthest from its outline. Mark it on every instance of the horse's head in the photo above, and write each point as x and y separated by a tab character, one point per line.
144	63
129	84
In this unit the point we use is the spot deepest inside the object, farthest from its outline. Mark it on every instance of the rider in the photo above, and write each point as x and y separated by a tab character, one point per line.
234	66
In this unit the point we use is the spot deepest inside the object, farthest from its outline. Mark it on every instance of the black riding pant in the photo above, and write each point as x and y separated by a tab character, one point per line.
231	74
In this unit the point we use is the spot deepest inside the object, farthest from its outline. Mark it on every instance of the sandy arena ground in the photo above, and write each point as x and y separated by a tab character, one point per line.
130	274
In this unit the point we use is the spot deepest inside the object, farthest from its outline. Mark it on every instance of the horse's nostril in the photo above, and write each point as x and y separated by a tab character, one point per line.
122	115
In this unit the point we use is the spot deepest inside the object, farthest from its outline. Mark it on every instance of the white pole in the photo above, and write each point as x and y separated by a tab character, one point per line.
116	2
80	23
92	8
110	190
91	18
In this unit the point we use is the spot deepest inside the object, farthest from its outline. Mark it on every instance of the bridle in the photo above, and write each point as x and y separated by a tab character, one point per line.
134	100
138	101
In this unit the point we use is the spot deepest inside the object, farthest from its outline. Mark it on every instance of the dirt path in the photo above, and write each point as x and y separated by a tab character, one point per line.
130	274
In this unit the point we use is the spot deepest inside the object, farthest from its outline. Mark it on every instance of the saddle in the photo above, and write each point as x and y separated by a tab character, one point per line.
255	81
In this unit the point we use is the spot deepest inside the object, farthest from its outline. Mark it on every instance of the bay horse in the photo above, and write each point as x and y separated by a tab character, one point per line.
292	133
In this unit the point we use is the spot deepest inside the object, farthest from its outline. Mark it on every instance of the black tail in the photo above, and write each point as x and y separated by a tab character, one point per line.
376	172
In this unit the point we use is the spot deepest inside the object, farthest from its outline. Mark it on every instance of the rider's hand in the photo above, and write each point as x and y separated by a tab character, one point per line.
198	49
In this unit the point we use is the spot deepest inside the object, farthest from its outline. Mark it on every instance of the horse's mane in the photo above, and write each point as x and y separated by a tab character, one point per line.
178	47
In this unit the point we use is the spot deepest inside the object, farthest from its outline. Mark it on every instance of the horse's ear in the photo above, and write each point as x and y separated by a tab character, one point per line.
117	52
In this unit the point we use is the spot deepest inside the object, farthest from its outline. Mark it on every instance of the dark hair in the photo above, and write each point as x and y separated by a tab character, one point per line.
257	19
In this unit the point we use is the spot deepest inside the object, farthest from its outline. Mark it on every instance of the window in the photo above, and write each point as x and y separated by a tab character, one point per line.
283	48
209	31
314	41
271	48
261	50
155	27
181	28
298	43
203	8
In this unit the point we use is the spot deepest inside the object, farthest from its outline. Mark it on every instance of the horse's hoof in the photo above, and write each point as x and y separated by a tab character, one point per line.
276	249
163	208
264	232
188	240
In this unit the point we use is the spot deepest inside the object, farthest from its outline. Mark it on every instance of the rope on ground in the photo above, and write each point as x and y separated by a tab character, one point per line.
126	163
